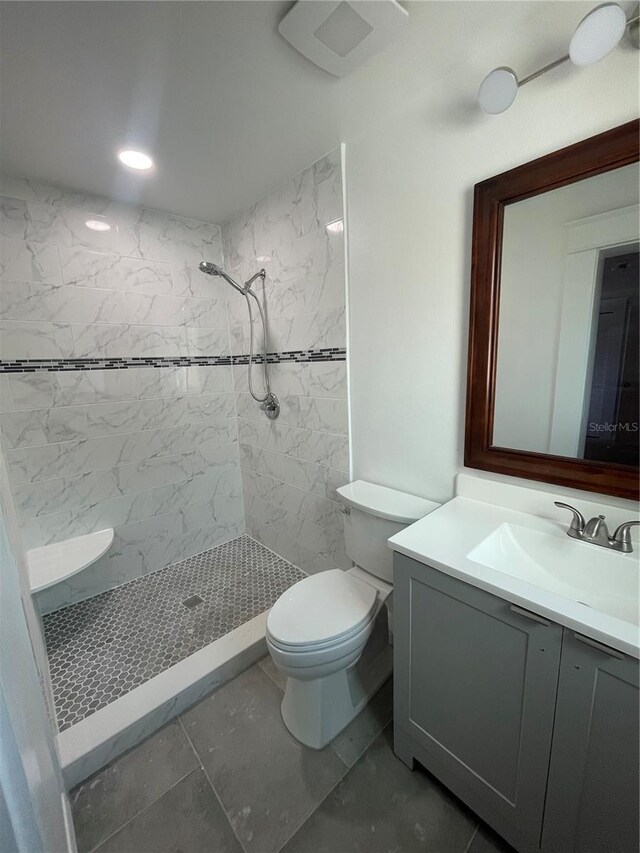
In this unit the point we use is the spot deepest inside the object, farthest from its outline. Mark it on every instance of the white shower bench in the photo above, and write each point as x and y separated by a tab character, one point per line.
51	564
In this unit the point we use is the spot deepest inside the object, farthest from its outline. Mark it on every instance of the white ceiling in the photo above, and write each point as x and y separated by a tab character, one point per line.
227	108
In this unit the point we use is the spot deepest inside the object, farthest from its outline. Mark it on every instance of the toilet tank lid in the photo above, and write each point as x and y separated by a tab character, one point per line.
385	503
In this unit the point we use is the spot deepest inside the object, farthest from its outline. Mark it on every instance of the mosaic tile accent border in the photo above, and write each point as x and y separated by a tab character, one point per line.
103	647
56	365
329	354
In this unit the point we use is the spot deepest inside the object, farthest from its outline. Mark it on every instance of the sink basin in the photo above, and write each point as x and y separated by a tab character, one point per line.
529	561
607	581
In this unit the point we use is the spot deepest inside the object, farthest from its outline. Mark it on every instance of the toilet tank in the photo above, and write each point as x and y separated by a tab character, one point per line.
375	513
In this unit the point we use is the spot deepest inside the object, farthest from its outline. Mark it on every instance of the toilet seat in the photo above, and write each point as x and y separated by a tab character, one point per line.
321	612
306	662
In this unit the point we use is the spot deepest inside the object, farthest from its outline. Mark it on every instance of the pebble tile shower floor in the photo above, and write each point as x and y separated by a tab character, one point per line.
103	647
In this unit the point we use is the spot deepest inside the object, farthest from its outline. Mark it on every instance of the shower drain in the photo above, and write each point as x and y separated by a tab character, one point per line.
192	601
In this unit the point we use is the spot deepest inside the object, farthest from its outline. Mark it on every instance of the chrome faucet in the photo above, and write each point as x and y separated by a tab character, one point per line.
595	531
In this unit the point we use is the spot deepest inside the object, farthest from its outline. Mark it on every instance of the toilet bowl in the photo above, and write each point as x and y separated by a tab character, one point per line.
328	634
321	625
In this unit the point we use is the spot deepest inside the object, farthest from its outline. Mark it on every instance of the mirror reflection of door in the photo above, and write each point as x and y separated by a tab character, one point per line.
611	428
567	363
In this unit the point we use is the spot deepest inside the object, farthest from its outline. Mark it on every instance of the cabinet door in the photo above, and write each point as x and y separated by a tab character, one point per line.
476	683
592	800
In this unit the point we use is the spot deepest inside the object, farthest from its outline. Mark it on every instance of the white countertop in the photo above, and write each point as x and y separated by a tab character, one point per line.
444	538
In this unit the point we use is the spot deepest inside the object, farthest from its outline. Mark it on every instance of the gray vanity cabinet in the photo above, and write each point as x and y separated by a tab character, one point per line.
475	687
532	725
593	797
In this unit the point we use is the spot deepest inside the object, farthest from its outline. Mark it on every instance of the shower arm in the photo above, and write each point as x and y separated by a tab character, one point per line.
247	285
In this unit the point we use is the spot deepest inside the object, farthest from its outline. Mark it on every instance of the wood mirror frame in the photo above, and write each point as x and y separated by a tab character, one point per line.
610	150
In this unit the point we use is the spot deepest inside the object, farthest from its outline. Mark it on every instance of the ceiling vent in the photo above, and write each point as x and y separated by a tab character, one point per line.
339	35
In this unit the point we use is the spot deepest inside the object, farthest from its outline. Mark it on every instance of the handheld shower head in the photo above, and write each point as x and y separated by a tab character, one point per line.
269	403
213	269
208	268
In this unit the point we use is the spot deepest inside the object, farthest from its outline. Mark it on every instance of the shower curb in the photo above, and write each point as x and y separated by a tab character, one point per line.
95	741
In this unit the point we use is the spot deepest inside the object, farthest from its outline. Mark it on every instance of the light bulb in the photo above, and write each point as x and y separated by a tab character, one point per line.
498	90
597	34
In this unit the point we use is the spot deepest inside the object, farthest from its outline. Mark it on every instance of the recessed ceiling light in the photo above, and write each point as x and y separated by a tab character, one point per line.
97	225
135	159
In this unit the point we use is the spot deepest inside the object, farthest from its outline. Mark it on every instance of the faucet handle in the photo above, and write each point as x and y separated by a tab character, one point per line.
577	522
622	535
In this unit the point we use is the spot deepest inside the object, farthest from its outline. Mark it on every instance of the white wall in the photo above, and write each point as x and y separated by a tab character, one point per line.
409	196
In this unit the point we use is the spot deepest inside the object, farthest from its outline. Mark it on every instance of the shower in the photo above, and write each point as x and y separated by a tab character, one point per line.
269	403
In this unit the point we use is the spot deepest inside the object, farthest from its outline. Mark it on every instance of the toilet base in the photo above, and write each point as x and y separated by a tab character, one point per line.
317	710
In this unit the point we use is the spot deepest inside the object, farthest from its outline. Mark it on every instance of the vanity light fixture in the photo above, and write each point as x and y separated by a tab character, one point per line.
335	227
137	160
594	38
597	34
98	225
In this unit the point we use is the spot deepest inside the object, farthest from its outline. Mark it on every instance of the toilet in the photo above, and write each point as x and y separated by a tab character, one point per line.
329	633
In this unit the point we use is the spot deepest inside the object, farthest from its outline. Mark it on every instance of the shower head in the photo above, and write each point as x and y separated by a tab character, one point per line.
213	269
209	268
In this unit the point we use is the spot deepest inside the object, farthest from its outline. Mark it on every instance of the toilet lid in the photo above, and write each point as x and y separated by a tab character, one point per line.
319	608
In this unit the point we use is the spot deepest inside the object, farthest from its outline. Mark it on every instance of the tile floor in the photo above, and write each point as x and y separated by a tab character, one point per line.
226	777
101	648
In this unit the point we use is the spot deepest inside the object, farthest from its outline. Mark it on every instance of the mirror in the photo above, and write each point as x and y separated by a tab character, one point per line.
553	384
567	369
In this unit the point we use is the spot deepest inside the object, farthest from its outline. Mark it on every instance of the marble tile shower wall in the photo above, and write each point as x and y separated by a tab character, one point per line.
151	451
292	466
